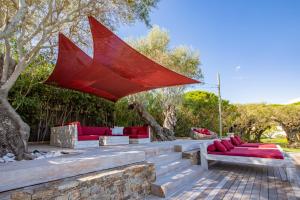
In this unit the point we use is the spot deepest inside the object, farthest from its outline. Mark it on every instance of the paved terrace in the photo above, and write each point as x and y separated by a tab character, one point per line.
222	181
227	181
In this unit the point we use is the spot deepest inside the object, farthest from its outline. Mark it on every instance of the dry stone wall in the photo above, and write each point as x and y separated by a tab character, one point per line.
127	182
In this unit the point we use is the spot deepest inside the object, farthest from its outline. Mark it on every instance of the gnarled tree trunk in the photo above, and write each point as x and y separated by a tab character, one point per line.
14	133
170	118
161	133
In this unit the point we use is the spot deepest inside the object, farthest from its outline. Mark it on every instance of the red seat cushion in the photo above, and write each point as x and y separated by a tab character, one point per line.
227	144
211	147
219	146
88	137
234	141
258	145
91	130
252	152
136	132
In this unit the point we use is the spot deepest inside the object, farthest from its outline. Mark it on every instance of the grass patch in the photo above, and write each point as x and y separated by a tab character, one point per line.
282	142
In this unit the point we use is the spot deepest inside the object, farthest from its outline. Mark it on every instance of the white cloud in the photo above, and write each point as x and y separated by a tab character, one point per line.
293	100
237	68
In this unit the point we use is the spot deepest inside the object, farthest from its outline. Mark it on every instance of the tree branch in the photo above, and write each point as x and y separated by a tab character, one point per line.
6	61
11	26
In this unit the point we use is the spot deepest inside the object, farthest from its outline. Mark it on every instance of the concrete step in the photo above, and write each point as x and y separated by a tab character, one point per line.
165	158
188	146
153	152
173	181
165	168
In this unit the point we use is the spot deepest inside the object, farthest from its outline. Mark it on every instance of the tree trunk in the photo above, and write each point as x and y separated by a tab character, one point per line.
14	132
161	133
170	118
292	135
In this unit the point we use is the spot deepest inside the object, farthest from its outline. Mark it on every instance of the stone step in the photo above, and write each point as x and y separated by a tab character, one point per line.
153	152
165	158
165	168
172	182
192	145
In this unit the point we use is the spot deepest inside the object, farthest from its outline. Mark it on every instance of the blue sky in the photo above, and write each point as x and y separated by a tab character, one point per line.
254	44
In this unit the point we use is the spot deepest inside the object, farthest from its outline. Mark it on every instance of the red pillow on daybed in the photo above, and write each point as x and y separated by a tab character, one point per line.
211	147
239	139
219	146
234	141
227	144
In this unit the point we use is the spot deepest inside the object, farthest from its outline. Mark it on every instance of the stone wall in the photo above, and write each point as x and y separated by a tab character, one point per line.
127	182
193	155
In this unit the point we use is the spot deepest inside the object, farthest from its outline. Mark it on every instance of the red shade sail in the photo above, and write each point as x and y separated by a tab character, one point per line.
116	69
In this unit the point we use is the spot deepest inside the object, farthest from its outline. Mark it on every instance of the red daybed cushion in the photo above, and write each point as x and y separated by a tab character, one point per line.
88	137
251	152
219	146
258	145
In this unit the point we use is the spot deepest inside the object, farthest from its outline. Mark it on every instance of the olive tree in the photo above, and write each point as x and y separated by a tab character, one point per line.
33	26
182	59
288	117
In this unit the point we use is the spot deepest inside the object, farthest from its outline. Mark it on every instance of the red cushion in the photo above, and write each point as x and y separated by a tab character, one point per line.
234	141
252	152
136	132
91	130
202	131
258	145
211	147
219	146
227	144
238	139
88	137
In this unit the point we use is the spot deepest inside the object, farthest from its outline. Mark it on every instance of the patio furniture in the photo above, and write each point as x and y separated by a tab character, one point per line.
74	135
138	134
202	134
241	155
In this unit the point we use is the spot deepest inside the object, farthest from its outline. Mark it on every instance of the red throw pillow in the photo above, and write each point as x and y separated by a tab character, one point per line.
239	139
219	146
226	144
211	147
230	144
234	141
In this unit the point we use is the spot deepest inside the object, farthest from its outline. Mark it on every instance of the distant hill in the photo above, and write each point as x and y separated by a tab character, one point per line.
297	103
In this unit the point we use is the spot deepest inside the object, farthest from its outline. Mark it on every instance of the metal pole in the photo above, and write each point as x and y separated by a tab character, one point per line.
220	105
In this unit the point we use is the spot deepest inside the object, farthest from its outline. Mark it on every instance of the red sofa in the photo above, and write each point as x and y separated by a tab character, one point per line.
136	132
91	132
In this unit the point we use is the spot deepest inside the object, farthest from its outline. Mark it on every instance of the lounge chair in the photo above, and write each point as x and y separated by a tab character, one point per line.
241	155
202	134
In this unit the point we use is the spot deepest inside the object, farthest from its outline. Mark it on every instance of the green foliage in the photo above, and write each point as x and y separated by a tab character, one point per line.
253	120
43	106
200	109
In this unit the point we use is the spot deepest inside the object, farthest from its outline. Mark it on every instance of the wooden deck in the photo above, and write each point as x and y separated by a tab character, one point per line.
227	181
